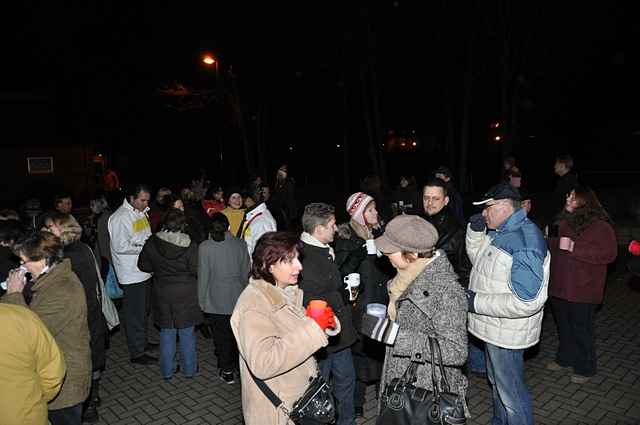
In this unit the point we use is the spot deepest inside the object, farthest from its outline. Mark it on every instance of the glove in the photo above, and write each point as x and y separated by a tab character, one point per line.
471	296
383	330
477	222
325	320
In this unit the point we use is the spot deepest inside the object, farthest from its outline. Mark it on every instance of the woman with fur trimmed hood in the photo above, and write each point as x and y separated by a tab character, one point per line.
355	253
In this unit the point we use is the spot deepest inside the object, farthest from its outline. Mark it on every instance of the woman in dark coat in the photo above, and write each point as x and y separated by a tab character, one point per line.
352	257
586	243
172	257
84	265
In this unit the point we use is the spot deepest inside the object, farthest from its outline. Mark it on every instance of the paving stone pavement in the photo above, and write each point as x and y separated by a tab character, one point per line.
135	394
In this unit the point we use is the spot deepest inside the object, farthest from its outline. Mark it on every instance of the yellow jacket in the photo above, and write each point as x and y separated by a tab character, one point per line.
234	215
31	366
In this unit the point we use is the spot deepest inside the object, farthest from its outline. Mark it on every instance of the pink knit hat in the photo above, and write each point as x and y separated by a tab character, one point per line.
356	205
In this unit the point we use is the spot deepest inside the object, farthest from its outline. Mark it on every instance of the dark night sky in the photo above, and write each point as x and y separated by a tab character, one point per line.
99	67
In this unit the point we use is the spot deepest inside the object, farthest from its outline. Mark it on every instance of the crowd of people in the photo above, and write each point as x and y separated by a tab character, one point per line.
354	303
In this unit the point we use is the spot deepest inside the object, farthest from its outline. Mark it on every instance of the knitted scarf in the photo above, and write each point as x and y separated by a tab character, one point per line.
403	279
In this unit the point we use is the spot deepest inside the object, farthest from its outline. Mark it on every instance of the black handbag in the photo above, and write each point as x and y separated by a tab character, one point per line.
316	406
405	404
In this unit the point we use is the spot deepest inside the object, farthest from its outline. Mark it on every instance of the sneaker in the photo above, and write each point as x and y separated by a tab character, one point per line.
554	366
227	376
579	379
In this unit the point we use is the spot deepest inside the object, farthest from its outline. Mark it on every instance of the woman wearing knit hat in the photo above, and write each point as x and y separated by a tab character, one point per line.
356	253
234	211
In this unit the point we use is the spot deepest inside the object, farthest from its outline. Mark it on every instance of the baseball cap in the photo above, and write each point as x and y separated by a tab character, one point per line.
500	191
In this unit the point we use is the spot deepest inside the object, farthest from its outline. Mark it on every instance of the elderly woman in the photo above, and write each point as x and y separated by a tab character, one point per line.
61	304
83	264
586	243
172	257
275	338
425	300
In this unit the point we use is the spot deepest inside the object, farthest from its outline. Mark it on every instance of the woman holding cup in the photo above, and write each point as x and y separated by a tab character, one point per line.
276	336
365	281
585	244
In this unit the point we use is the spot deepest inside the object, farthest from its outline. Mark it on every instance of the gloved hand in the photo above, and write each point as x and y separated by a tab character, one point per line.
477	222
383	330
471	296
634	247
325	320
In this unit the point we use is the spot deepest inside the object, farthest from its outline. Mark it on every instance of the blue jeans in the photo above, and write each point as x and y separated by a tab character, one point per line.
340	366
188	353
476	362
71	415
511	401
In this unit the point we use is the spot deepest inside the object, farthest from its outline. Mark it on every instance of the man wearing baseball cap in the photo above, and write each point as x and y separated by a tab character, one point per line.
506	295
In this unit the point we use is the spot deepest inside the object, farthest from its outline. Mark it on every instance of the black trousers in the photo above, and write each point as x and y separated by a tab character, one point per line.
575	330
71	415
137	307
224	341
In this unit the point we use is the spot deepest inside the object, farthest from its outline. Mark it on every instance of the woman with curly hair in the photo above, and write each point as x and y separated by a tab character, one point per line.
586	243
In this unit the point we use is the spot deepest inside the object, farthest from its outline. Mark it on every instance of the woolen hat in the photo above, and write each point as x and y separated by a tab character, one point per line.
407	233
356	205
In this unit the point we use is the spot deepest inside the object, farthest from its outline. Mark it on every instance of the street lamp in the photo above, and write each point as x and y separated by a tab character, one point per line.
209	60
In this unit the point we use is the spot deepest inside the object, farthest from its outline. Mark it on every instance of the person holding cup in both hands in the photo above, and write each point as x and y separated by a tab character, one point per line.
585	244
276	336
358	260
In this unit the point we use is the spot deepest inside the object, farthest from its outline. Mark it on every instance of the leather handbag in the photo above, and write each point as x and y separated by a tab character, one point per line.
405	404
316	406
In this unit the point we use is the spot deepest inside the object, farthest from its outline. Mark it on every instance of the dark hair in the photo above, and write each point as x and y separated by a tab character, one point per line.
589	210
213	189
40	245
59	197
174	220
316	214
11	231
411	257
437	182
271	248
218	226
567	160
168	200
133	191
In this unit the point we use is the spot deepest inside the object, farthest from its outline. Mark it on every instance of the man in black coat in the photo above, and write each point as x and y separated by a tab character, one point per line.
322	280
451	234
567	181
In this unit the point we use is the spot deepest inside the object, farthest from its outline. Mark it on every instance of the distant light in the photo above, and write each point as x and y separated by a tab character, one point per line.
402	144
414	144
532	137
208	59
496	125
290	148
498	138
338	146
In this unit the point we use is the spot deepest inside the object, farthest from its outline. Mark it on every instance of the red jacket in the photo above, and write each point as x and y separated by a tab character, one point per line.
579	276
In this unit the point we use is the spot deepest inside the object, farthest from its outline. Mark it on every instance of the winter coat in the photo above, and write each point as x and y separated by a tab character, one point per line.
128	229
321	280
257	222
103	242
276	341
197	222
352	257
283	200
435	305
510	278
223	273
451	239
409	197
235	216
84	266
564	186
31	365
173	259
579	276
60	302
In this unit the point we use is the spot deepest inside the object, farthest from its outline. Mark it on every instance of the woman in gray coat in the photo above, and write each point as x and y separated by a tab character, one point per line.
425	300
223	273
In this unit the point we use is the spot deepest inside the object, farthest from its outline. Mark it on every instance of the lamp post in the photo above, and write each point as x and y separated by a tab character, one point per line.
210	61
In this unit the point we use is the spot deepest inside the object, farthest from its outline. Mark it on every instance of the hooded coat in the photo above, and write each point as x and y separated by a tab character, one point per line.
173	259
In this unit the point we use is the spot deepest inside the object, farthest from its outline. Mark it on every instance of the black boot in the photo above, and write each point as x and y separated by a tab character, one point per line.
90	414
95	393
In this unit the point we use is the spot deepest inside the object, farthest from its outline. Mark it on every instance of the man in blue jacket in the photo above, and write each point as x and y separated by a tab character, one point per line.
507	291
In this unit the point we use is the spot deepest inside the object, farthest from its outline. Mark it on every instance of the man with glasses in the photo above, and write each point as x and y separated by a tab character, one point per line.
506	295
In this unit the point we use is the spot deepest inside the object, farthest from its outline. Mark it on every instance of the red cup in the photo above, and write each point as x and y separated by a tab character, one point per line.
317	308
634	248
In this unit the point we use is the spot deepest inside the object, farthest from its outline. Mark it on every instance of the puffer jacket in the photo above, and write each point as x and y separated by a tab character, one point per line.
434	305
510	278
276	341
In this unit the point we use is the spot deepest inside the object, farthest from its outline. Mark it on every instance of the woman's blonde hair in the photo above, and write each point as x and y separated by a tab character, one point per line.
71	231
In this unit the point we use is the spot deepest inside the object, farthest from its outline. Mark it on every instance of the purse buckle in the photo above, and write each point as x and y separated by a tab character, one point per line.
395	402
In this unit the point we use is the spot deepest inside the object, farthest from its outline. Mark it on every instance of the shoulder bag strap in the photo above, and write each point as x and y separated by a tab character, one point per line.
273	398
